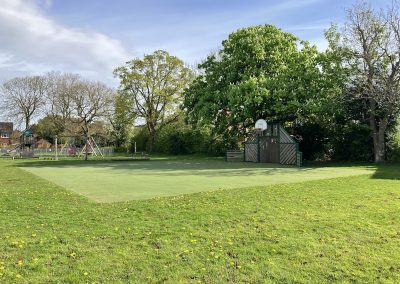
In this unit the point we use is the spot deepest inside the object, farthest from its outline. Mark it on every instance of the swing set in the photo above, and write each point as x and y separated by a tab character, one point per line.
69	147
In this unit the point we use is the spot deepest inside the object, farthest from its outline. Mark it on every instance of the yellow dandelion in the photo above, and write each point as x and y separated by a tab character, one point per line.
33	235
20	262
18	276
85	273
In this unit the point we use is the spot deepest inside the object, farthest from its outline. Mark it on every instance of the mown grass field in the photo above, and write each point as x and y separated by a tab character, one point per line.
344	229
111	181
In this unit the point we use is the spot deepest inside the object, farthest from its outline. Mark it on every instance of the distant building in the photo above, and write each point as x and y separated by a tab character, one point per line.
43	144
6	129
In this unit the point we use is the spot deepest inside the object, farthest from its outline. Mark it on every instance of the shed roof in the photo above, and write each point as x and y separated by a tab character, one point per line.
6	126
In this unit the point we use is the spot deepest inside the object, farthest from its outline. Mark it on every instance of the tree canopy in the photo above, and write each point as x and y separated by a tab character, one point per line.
24	98
260	72
370	50
155	85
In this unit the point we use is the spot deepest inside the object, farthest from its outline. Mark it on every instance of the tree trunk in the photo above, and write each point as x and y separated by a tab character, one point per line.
86	147
378	135
27	122
152	137
85	130
152	141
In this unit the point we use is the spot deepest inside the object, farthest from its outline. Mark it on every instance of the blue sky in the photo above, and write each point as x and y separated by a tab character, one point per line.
92	37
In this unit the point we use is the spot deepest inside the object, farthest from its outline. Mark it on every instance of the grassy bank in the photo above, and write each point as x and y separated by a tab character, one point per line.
343	229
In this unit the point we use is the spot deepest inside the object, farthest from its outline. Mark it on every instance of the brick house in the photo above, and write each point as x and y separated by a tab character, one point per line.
6	129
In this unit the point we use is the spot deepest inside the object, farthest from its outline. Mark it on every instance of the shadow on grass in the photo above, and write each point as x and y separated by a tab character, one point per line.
171	167
387	171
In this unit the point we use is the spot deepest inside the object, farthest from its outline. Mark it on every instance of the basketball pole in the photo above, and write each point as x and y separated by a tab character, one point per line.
56	147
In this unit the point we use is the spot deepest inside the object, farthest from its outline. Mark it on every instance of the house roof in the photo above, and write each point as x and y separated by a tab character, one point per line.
6	126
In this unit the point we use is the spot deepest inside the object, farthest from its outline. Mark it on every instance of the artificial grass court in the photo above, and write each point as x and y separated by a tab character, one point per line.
113	181
321	231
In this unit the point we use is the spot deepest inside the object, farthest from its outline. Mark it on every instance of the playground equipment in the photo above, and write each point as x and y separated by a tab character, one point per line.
26	144
25	147
269	144
69	147
91	148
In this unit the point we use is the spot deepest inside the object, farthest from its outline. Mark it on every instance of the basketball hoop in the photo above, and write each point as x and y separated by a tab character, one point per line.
260	126
259	130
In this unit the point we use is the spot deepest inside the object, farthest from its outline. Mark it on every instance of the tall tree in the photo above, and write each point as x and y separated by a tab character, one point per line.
260	72
155	84
49	127
61	89
370	45
89	102
23	98
122	119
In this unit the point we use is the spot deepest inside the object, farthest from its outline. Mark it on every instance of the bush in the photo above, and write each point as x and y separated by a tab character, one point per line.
141	137
352	142
181	138
393	146
314	138
178	138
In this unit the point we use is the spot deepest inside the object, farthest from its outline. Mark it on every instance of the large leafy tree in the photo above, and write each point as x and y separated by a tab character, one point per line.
122	119
260	72
370	48
49	127
155	85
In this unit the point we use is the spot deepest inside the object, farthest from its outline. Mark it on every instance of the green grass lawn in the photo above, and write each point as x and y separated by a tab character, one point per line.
344	229
112	181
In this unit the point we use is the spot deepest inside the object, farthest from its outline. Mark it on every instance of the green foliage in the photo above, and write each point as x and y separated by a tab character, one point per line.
394	145
154	84
122	120
314	141
180	138
48	127
369	47
353	142
260	72
141	137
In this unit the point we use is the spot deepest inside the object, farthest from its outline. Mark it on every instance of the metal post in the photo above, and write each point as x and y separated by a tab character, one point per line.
279	141
56	148
135	147
258	148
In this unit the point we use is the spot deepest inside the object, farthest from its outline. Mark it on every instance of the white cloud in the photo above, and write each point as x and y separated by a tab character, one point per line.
33	42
